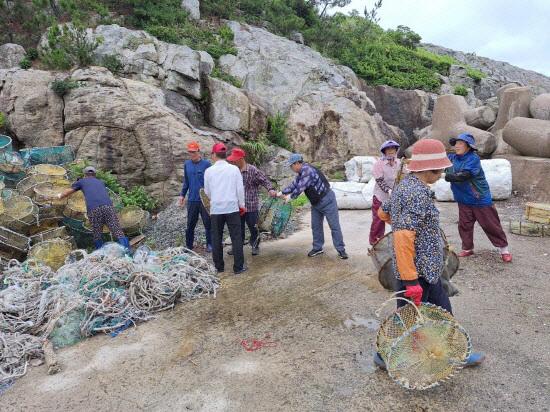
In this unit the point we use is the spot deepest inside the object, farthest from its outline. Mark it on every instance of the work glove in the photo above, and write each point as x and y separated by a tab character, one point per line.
415	293
279	194
59	195
272	193
242	211
287	199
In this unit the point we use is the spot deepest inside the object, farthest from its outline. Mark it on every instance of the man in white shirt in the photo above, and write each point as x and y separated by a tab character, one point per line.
223	184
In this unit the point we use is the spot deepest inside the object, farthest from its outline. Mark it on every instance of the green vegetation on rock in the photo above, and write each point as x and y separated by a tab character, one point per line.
461	90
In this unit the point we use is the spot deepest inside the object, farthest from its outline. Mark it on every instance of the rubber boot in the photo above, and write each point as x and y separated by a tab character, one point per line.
98	244
189	239
124	242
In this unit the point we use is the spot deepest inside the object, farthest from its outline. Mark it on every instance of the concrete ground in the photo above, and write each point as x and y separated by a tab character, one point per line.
320	311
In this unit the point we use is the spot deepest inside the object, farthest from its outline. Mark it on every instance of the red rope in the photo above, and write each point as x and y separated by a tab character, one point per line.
254	344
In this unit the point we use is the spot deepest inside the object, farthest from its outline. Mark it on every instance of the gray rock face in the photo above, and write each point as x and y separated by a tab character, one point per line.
540	107
34	111
126	126
11	55
193	7
228	107
406	109
499	73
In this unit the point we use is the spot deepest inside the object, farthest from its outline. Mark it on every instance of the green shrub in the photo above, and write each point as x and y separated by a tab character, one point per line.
337	176
255	150
218	73
25	63
299	201
276	131
62	87
475	74
461	90
111	62
32	53
3	120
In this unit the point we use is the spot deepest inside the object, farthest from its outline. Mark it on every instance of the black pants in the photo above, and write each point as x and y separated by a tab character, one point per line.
233	221
431	293
193	211
250	218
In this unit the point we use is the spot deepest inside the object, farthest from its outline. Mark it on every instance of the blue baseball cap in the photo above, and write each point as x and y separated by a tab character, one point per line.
467	137
294	158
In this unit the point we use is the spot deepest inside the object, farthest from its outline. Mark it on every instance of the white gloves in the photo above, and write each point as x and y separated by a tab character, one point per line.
59	195
287	199
279	194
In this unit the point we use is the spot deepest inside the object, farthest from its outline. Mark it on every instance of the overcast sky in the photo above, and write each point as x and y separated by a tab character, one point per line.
514	31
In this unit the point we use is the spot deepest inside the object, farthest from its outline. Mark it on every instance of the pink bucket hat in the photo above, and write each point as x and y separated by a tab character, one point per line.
428	154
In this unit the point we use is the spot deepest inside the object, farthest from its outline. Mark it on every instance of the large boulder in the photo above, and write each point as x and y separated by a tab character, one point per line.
329	128
406	109
228	107
125	126
34	111
530	137
193	7
498	173
481	117
449	122
11	55
359	168
352	195
513	102
530	177
540	107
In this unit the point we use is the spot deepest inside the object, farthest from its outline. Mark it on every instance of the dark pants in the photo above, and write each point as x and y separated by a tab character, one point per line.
193	211
431	293
250	218
233	221
487	217
378	226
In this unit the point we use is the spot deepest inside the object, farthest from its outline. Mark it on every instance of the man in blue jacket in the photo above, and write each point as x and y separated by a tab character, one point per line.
471	192
193	182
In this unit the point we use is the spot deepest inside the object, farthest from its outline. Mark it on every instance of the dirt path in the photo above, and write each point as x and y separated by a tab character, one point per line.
320	364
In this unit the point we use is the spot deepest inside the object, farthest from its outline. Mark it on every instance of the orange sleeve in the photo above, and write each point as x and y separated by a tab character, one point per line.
384	216
403	242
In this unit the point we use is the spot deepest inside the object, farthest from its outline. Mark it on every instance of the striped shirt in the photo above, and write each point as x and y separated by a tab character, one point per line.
307	176
253	178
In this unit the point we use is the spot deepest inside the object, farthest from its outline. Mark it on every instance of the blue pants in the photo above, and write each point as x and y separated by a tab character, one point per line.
250	218
326	207
193	211
431	293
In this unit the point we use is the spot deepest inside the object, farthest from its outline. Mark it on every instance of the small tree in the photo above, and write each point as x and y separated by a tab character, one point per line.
324	5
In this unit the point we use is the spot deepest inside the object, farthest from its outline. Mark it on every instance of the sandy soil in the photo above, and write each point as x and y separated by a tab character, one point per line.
320	312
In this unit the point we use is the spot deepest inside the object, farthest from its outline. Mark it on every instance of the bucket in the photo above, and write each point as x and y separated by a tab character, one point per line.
5	143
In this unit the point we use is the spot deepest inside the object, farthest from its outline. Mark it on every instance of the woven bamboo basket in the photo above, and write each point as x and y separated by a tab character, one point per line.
76	206
13	245
538	212
26	186
402	172
205	200
54	171
45	194
132	219
57	233
526	228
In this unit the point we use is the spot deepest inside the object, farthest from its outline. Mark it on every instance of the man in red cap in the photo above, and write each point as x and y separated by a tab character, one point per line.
193	182
223	184
253	179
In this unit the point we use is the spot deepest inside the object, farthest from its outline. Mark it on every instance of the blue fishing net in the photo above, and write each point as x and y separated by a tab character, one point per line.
273	216
54	155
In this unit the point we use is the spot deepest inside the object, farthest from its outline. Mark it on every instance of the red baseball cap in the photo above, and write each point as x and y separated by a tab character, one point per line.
193	147
236	154
219	148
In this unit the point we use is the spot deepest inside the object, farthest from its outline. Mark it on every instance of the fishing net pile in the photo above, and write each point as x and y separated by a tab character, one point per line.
102	292
422	346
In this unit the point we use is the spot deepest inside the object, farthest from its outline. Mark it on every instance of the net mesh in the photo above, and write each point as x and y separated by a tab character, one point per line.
526	228
10	162
5	143
76	206
54	171
51	253
422	348
45	194
26	186
55	155
42	226
6	193
12	244
58	232
273	216
11	179
19	214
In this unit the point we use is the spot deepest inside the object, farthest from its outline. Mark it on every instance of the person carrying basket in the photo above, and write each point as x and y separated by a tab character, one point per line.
417	241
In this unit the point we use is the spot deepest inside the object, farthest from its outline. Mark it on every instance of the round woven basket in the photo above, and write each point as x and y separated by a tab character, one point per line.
51	252
54	171
57	233
26	186
45	194
19	214
76	206
13	245
132	219
422	346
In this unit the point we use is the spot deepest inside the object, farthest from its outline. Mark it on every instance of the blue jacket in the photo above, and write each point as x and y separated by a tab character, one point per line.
475	191
194	179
